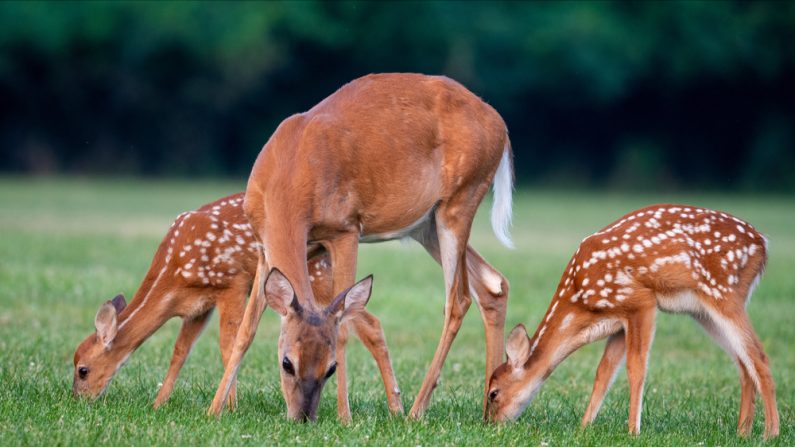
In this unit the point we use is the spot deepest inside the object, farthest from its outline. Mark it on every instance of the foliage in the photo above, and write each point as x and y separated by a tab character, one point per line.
704	89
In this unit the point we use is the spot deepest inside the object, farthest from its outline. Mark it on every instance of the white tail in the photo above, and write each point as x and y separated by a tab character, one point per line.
502	209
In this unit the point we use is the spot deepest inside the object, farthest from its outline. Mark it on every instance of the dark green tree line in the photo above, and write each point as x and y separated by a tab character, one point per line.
594	93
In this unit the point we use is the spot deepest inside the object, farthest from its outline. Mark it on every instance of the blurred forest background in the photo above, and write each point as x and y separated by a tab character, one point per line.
672	95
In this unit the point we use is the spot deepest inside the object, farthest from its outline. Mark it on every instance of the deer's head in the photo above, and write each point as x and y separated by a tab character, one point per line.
514	383
96	360
308	340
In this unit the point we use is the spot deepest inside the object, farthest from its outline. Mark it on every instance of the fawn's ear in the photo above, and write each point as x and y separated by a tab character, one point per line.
119	303
106	324
518	346
353	300
279	293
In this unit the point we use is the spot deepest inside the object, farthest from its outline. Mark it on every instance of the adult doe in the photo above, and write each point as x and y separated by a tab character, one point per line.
387	156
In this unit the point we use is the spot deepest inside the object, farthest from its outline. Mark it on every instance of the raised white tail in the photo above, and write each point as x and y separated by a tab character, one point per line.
501	210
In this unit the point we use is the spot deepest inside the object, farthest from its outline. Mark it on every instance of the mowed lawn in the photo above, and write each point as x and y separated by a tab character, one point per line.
69	244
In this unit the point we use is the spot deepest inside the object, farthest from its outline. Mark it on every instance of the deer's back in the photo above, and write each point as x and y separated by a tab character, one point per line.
668	249
382	150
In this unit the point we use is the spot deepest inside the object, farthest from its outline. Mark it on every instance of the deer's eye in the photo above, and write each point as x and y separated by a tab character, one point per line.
287	366
331	370
493	395
82	372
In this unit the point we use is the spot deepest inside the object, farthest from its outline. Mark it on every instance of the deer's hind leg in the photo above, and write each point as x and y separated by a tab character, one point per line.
767	386
490	290
368	329
748	390
732	329
446	238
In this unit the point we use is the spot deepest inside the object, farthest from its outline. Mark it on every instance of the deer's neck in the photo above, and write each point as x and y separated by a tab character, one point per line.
287	250
146	312
558	334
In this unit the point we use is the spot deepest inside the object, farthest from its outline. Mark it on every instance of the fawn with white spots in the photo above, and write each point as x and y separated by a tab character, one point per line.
207	259
386	156
675	258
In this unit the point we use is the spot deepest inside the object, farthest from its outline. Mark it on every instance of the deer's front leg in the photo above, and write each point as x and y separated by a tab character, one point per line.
639	332
231	307
343	251
605	374
245	335
190	331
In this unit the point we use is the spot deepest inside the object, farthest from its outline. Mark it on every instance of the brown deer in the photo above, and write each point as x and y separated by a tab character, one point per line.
675	258
207	259
387	156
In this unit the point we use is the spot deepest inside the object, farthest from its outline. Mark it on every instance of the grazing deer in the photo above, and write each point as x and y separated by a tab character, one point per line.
675	258
387	156
207	259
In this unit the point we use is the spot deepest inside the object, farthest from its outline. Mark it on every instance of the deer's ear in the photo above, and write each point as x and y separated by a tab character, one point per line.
279	293
351	300
106	324
354	299
518	346
119	303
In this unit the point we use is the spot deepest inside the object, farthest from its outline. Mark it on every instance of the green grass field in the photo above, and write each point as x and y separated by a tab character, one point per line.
68	245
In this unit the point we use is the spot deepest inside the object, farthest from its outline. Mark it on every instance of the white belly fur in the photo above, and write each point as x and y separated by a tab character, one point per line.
398	234
600	329
685	301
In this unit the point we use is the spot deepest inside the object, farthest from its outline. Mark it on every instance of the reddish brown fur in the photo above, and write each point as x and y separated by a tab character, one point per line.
383	153
677	258
207	259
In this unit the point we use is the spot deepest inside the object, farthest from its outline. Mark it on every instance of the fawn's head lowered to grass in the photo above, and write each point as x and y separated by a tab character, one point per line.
95	359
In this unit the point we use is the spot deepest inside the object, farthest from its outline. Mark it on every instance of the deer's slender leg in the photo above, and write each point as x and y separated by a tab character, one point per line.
615	349
639	334
732	330
491	295
450	241
745	421
749	349
748	391
758	369
490	290
343	251
767	386
245	335
231	306
368	328
190	331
